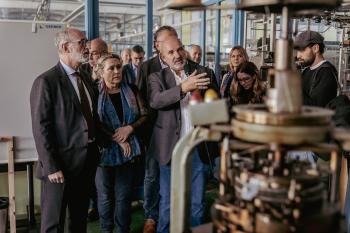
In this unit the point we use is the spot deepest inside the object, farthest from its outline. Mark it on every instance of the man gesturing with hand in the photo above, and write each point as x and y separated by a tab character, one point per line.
169	94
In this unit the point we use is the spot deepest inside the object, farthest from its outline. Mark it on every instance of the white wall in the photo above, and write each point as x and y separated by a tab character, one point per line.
24	55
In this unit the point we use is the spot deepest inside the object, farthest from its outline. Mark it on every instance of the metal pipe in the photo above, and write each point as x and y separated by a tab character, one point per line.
223	165
241	24
273	32
263	40
217	45
234	26
204	36
334	167
180	188
285	23
180	198
245	30
149	25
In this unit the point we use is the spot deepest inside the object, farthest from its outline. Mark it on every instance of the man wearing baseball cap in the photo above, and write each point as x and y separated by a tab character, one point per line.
320	77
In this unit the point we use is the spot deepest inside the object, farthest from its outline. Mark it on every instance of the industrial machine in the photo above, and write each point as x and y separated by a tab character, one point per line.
261	189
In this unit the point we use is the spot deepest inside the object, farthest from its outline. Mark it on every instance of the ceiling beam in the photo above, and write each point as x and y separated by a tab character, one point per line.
71	16
135	7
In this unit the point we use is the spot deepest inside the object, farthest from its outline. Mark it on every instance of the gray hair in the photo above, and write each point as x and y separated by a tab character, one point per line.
60	38
189	47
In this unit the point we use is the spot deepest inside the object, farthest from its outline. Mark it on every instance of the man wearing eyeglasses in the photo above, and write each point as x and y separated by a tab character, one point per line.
97	48
151	181
64	123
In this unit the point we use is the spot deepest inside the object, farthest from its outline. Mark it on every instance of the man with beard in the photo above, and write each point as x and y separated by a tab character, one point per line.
97	48
319	78
151	181
169	93
64	123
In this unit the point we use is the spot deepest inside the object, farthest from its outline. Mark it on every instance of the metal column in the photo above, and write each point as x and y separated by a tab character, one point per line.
91	19
238	20
240	27
273	32
217	46
149	31
203	36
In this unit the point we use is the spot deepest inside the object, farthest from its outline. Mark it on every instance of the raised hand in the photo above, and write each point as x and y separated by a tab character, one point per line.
195	81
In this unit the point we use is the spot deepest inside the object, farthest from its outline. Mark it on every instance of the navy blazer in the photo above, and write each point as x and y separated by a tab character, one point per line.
129	74
59	128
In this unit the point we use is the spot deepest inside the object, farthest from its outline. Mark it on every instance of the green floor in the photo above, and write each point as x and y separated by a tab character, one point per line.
137	215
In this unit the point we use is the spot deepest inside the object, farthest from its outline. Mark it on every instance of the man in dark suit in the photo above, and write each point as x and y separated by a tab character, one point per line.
130	70
169	93
97	48
64	123
151	181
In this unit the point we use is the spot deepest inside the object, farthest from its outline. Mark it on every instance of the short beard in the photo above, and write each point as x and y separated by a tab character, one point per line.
79	57
179	67
309	62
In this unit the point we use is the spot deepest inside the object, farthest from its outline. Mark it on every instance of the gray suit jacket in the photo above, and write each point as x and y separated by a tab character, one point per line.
59	127
164	96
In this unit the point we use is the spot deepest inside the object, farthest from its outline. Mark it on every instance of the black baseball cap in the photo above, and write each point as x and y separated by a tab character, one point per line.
307	38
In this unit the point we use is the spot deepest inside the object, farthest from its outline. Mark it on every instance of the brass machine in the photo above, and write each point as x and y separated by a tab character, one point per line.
261	191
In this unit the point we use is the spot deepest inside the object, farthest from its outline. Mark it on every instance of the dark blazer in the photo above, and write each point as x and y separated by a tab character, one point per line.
165	96
191	66
148	67
153	65
129	74
59	127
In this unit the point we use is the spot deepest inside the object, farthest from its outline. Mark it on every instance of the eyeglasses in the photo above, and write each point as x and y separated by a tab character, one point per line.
95	54
244	79
81	42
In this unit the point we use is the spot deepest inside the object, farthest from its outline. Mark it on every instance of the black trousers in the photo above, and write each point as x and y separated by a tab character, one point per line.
72	194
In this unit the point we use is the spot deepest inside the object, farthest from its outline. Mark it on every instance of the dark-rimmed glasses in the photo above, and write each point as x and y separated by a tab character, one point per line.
82	42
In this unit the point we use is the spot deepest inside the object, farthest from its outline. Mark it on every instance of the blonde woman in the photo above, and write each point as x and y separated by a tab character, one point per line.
237	56
122	112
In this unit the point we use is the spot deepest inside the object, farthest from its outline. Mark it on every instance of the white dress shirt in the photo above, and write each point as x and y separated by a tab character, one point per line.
70	72
186	125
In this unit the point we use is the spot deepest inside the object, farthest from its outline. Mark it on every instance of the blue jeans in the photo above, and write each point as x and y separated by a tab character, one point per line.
114	192
151	188
199	177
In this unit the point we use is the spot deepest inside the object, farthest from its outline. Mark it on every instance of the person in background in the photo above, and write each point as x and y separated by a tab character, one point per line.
130	70
97	48
126	56
151	181
319	78
237	56
195	52
65	129
122	112
247	88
